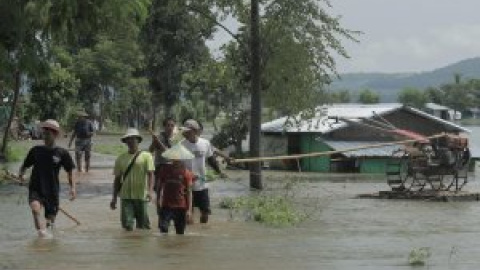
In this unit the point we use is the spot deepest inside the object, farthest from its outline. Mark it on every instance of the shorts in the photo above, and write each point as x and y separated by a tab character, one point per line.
201	200
178	215
134	211
50	204
83	145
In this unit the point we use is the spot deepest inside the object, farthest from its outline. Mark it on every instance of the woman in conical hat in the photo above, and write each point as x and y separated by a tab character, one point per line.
178	152
175	190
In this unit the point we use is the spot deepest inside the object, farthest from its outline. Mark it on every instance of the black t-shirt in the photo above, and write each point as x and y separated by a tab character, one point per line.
46	162
83	129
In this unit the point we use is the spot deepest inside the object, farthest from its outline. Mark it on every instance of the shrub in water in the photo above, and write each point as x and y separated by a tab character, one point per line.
418	256
277	211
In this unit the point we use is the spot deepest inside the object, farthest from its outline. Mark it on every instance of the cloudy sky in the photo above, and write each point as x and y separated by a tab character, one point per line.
406	35
409	35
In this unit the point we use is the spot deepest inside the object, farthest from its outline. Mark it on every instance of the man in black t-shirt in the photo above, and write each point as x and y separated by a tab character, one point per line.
83	132
44	186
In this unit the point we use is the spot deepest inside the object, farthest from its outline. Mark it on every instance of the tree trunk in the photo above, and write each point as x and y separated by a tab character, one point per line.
256	105
153	124
12	112
102	103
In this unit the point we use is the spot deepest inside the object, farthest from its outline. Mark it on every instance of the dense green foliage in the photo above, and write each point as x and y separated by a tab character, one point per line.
368	96
412	97
131	62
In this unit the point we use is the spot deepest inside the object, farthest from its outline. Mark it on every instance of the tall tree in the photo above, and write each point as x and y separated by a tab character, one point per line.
174	41
412	97
21	49
367	96
295	57
457	94
339	97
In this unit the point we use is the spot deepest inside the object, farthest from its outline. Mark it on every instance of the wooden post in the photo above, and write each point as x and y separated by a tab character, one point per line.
256	103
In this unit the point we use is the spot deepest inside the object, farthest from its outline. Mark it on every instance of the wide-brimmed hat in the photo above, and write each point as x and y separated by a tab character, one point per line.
190	124
51	124
132	132
178	152
82	113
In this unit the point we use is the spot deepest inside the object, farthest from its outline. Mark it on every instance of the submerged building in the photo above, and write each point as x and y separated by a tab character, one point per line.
346	126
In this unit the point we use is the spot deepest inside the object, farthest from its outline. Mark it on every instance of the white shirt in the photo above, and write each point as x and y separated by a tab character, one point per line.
202	150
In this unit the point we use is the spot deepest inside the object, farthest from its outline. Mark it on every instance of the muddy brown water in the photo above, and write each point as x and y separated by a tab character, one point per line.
342	232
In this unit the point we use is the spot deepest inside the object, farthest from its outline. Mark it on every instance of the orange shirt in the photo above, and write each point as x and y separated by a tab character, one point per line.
175	183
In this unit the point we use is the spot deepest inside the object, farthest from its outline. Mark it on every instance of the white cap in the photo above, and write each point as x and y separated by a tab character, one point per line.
190	124
132	132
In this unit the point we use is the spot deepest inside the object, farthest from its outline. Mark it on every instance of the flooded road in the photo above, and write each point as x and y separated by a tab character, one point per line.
342	232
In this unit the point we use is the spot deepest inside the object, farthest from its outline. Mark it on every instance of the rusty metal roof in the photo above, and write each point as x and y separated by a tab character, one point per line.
324	119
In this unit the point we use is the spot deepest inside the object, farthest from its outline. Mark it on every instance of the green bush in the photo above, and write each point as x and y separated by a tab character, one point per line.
419	256
109	149
16	151
272	210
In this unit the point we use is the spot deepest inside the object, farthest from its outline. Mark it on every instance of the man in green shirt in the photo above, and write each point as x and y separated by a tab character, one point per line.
133	183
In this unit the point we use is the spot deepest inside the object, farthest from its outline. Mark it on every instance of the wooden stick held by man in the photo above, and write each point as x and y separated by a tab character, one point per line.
43	188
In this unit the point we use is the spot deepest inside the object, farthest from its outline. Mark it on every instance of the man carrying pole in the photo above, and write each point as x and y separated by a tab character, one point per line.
203	153
44	186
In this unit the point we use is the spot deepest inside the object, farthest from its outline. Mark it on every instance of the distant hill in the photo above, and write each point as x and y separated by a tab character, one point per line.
389	85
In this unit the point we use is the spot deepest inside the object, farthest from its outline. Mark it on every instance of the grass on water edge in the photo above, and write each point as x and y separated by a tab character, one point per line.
17	150
109	149
274	206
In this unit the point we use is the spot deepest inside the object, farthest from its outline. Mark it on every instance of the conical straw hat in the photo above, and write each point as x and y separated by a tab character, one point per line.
178	152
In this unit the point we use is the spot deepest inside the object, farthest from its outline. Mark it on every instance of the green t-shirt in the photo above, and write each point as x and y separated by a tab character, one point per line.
135	184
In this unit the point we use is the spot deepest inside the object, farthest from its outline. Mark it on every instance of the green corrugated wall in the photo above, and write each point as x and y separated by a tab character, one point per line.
309	144
373	165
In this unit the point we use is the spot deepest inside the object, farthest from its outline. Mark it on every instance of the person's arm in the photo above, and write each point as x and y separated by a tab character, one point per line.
160	192
68	165
27	163
219	153
150	168
117	171
189	205
150	185
189	198
72	183
74	134
91	130
212	162
21	174
152	148
116	190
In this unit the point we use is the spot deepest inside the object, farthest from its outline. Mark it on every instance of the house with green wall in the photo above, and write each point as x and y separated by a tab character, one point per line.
329	130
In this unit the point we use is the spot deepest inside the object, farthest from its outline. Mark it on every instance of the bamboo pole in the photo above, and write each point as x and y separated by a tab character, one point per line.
15	178
157	140
327	153
68	215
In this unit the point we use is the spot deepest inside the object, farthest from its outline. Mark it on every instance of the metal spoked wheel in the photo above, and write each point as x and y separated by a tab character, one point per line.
397	170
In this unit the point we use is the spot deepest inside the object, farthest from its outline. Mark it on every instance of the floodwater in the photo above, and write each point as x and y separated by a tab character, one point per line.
342	232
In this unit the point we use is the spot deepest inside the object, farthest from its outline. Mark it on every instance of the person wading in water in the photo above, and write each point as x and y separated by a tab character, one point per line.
158	147
44	185
82	133
133	183
203	153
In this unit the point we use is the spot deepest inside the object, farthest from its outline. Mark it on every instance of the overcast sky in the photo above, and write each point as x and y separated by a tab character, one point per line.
406	35
409	35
